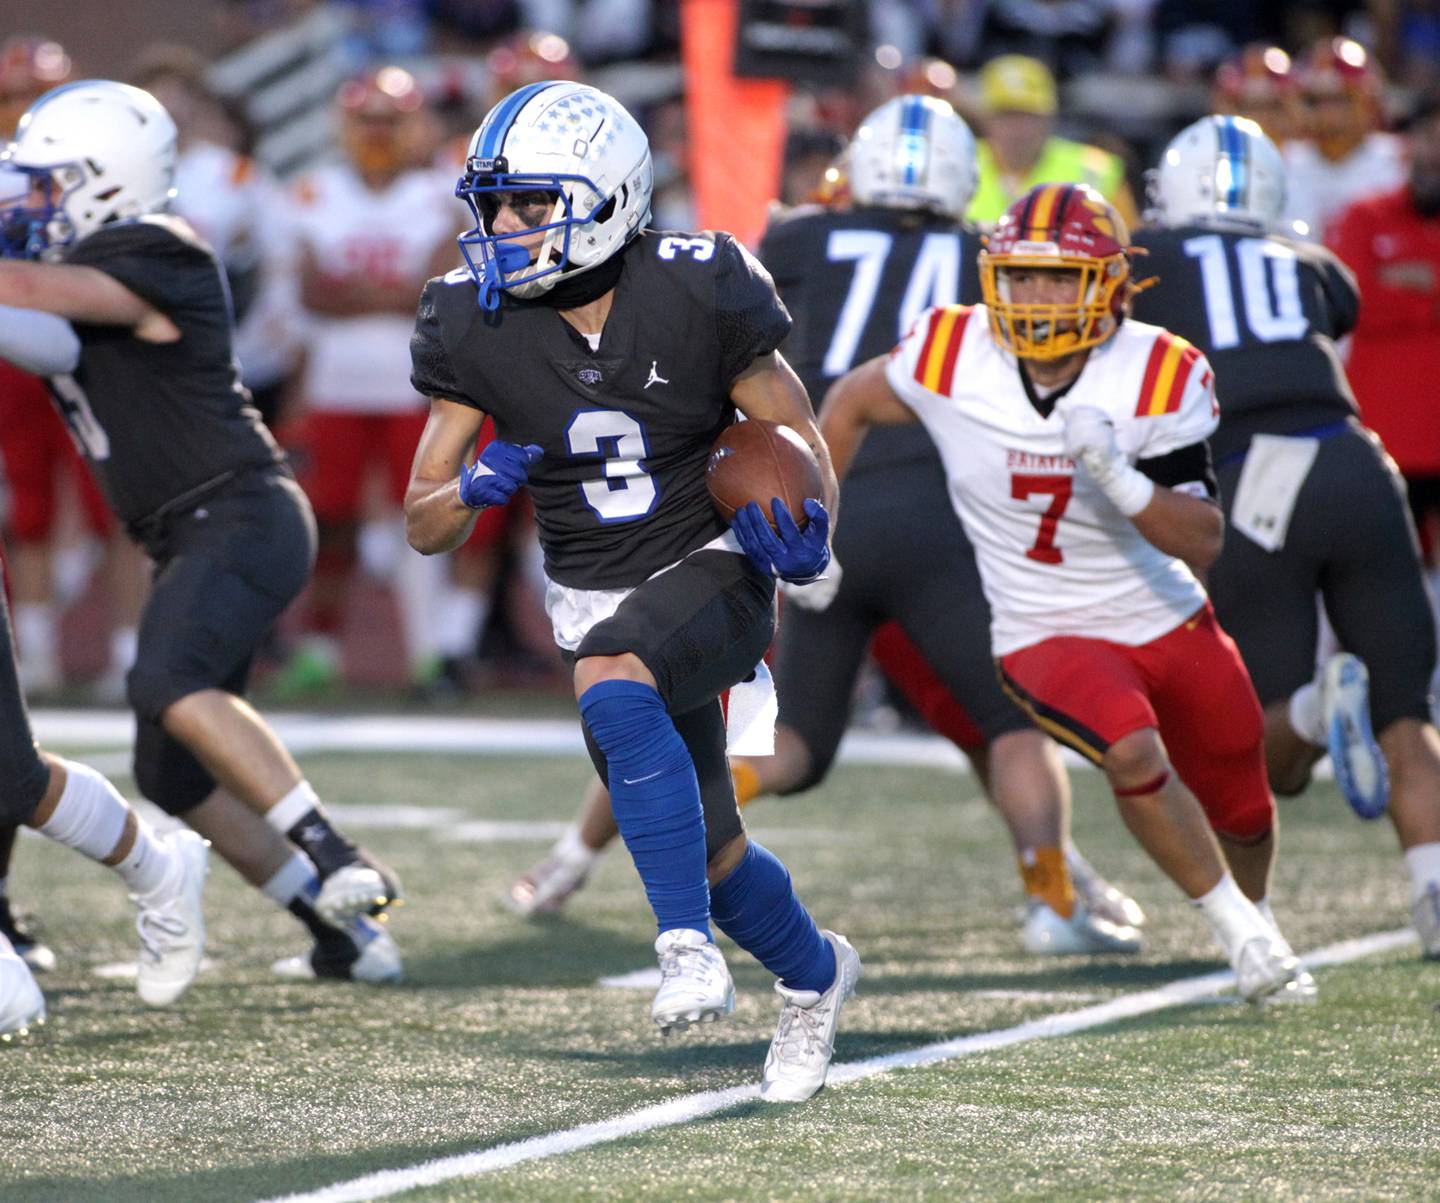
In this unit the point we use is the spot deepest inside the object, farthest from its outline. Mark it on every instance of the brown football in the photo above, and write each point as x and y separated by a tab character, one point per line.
757	460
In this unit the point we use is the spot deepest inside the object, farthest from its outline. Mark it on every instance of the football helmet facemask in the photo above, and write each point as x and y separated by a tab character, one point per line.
913	152
1058	227
1220	171
86	154
581	150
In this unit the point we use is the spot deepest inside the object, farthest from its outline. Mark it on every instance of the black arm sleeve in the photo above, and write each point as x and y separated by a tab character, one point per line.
432	374
158	260
750	319
1342	295
1185	465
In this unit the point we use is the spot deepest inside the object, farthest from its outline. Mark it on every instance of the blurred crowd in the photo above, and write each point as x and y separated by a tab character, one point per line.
319	151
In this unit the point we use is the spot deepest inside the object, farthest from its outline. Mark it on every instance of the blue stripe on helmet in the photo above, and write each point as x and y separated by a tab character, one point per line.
914	123
502	117
1235	148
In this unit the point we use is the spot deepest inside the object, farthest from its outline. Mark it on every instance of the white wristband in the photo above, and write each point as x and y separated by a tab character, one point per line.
1129	491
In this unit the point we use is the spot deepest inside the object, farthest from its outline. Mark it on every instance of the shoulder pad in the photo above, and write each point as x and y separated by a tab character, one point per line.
1167	371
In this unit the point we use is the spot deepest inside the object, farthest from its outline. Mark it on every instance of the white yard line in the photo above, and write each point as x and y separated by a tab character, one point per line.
313	733
695	1106
317	733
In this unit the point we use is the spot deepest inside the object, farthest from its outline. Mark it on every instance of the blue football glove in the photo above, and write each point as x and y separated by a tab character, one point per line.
493	478
792	555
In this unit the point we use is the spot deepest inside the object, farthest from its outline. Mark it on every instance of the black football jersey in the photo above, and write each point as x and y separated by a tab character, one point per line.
1266	311
627	428
855	281
158	420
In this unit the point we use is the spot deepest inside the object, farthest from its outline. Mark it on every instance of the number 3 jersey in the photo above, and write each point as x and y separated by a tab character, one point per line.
626	428
1056	557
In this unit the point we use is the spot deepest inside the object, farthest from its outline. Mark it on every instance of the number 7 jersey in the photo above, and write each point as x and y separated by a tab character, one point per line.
1056	557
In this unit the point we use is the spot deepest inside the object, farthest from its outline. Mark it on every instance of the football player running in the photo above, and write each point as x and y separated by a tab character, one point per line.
1074	443
610	357
855	280
1314	503
146	379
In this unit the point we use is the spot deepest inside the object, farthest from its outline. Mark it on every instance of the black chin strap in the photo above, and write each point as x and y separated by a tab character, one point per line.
587	286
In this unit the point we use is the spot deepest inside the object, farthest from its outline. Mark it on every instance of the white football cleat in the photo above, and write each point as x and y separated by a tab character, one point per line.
1101	898
34	952
22	1005
372	958
695	985
1426	912
363	887
548	886
1360	769
1047	933
1303	988
172	924
1263	966
799	1056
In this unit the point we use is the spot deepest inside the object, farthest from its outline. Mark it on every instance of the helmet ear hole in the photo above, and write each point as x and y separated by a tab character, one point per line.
607	210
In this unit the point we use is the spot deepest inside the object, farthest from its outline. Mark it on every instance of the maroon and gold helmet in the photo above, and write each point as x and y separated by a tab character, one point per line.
29	67
1341	87
528	58
379	127
1058	227
1260	84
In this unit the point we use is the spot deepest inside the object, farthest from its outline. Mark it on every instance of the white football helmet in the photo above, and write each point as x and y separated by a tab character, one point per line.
1220	171
97	151
913	152
569	141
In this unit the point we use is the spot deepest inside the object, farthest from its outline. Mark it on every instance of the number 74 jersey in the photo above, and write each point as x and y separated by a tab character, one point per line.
1056	557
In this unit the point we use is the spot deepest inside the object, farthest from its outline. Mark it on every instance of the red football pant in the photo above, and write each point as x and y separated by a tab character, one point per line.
1190	685
342	447
910	673
38	454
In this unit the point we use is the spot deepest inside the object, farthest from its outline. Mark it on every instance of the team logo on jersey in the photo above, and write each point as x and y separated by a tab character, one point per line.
590	376
655	377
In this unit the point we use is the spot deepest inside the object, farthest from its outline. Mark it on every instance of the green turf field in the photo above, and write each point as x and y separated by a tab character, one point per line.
251	1088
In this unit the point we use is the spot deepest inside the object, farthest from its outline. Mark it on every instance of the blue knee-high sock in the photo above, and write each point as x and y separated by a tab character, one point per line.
655	796
756	907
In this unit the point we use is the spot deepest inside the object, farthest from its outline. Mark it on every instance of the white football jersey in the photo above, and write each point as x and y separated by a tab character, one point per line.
1317	191
1056	557
232	202
363	362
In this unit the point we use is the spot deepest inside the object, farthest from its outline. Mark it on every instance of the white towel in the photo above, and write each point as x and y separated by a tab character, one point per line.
751	714
1275	469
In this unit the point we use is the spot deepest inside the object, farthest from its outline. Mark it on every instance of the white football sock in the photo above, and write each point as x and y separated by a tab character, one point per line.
420	585
1307	716
293	807
1423	861
123	643
573	850
149	864
90	816
1234	918
290	879
37	643
462	613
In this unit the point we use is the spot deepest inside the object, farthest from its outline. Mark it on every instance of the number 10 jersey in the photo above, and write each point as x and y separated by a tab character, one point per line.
1055	556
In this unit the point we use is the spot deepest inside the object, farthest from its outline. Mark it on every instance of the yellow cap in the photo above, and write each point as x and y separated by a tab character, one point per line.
1016	84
